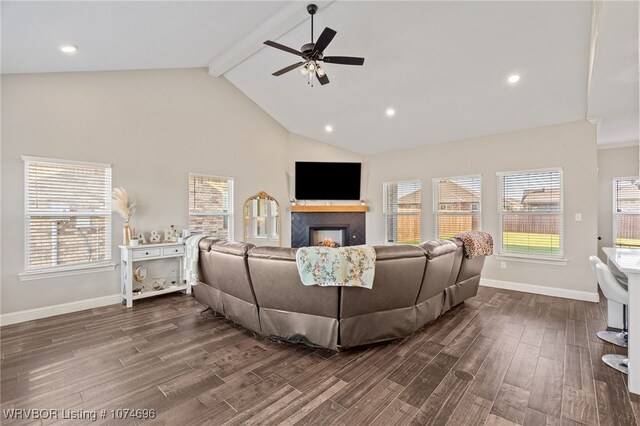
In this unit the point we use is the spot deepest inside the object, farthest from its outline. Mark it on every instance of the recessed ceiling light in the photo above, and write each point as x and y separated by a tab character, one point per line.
328	128
513	78
69	48
390	112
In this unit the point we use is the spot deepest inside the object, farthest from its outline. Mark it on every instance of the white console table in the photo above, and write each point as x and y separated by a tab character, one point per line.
131	254
628	261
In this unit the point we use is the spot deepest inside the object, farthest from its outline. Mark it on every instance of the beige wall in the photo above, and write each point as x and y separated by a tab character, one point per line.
154	127
612	163
571	146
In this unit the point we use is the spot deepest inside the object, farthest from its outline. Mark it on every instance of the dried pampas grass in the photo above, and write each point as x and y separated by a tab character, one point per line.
121	203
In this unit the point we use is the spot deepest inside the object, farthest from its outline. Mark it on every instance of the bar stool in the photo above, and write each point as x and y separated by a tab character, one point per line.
613	291
619	339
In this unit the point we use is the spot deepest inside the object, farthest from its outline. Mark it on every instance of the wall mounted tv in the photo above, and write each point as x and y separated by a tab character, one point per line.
327	181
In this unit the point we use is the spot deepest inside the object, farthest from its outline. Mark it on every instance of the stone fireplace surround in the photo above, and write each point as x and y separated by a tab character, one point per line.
303	224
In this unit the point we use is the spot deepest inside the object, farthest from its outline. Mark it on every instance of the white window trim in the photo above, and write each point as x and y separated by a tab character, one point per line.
230	215
30	158
105	266
437	214
66	270
385	214
614	212
531	258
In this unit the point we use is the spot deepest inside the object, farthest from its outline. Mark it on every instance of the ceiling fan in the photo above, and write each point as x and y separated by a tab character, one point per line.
312	53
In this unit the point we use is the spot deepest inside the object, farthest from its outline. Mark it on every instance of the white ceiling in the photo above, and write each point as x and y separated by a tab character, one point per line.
123	35
614	94
442	65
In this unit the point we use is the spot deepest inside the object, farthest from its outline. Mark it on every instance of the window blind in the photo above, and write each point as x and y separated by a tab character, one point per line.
211	205
531	213
456	205
67	214
403	211
626	212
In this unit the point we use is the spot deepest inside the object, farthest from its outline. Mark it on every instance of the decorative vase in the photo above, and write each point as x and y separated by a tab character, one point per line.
126	234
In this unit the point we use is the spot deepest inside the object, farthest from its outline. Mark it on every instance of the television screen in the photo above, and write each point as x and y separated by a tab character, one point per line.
327	181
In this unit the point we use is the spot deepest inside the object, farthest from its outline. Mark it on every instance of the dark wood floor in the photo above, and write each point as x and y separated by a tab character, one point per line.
503	357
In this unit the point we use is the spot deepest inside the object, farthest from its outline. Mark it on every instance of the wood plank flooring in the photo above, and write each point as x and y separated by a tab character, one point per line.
500	358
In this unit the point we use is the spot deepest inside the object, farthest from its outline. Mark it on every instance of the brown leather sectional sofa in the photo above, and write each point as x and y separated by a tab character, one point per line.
259	288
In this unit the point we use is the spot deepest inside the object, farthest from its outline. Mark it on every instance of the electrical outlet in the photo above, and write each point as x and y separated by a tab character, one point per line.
503	265
578	217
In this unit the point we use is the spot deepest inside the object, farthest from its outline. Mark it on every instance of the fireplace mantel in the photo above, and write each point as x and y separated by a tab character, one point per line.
307	219
329	209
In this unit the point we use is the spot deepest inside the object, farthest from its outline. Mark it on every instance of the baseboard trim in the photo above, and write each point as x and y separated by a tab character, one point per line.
81	305
63	308
539	289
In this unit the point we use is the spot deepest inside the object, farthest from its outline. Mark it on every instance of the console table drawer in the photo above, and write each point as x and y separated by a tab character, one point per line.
169	251
141	254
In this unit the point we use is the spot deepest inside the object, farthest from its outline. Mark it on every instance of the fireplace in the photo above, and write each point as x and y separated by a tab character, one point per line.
335	234
310	228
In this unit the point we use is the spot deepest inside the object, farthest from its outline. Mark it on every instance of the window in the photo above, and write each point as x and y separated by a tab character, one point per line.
67	215
530	213
626	212
402	211
456	205
211	205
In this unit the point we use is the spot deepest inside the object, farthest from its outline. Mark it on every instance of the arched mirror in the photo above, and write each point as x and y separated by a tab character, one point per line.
262	220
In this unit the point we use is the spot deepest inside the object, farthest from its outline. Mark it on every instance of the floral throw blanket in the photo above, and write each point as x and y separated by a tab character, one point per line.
342	266
476	243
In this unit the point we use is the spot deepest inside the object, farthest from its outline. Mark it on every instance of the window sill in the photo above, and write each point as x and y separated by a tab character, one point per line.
40	275
559	261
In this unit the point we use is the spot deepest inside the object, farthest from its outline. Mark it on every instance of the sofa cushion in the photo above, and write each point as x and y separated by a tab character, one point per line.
438	269
231	273
230	247
277	285
457	262
437	248
207	270
396	285
206	243
279	253
400	251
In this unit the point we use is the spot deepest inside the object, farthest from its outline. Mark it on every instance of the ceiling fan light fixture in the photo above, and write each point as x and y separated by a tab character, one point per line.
313	52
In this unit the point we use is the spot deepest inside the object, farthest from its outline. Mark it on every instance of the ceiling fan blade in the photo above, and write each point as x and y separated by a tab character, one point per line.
283	47
343	60
287	69
323	80
323	41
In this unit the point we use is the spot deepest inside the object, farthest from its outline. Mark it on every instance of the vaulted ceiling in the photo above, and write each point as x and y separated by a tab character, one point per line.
441	65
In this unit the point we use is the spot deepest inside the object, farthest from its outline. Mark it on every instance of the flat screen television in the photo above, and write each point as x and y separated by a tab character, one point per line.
327	181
